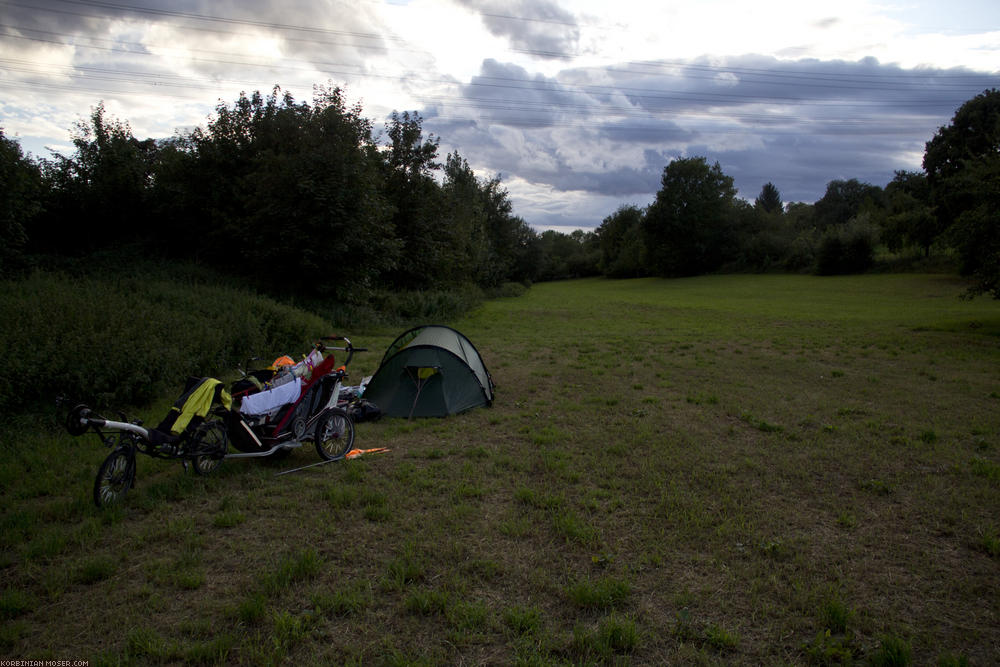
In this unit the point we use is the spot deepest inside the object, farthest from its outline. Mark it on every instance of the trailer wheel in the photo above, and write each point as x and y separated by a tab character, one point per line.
334	434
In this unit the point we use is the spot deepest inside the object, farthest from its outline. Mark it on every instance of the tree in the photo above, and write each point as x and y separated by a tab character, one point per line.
525	251
688	228
463	223
847	248
515	253
844	200
621	243
962	162
20	202
573	255
417	200
314	202
98	195
284	192
769	199
909	218
480	239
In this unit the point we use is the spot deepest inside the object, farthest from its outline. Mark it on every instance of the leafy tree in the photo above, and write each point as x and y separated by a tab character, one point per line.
524	251
485	242
621	243
769	199
909	218
962	162
688	229
225	177
848	248
573	255
418	202
844	200
284	192
316	201
98	195
20	202
800	216
762	235
178	209
514	253
463	223
409	153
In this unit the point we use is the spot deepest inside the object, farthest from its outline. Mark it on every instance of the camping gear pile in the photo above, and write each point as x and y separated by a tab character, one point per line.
288	404
428	371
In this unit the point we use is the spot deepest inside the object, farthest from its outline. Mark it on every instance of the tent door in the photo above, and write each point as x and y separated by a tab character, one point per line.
420	375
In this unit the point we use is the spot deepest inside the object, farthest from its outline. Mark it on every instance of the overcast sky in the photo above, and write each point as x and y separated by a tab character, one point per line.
577	104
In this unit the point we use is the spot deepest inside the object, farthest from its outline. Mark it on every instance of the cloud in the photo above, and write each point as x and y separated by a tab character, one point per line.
576	108
540	27
609	131
203	39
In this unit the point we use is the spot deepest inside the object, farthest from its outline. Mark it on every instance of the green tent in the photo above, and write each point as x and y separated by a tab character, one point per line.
430	371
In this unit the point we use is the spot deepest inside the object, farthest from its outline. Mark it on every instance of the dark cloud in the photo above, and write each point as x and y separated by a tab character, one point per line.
797	124
802	165
540	27
50	18
327	31
604	132
828	85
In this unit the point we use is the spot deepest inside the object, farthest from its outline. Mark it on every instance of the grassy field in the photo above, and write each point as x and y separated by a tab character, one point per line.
721	470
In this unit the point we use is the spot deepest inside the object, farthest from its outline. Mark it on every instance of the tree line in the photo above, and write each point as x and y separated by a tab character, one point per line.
300	197
310	196
697	224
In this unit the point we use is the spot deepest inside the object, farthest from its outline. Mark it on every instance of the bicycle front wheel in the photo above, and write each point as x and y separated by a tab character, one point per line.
115	477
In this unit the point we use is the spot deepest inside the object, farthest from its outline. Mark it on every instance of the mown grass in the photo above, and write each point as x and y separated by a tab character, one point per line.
722	470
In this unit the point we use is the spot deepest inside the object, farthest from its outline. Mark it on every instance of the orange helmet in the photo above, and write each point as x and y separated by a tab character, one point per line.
282	361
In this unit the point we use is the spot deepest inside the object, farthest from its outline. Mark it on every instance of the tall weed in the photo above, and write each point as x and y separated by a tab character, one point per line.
125	340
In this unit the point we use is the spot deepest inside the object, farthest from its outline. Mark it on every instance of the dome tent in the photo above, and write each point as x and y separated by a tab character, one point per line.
430	371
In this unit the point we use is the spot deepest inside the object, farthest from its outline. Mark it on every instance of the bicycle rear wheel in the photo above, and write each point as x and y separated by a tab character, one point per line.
212	440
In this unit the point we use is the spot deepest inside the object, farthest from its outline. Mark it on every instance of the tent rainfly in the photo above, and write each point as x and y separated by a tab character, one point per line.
430	371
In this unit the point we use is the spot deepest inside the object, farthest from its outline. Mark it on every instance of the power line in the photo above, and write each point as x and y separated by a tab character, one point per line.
635	93
452	102
941	78
749	124
656	104
209	18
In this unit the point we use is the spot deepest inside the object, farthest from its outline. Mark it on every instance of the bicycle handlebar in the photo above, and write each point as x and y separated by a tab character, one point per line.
348	347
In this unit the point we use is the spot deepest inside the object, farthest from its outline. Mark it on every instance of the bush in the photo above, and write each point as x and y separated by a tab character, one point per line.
127	340
801	253
507	290
428	305
848	248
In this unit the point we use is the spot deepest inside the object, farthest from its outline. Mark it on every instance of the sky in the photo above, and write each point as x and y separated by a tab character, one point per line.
578	105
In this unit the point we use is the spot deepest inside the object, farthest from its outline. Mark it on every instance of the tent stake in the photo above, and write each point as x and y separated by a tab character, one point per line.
311	465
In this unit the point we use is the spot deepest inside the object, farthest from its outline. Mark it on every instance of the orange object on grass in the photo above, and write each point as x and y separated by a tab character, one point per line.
355	453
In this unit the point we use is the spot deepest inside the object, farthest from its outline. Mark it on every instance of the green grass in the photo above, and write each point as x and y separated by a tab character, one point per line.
719	470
